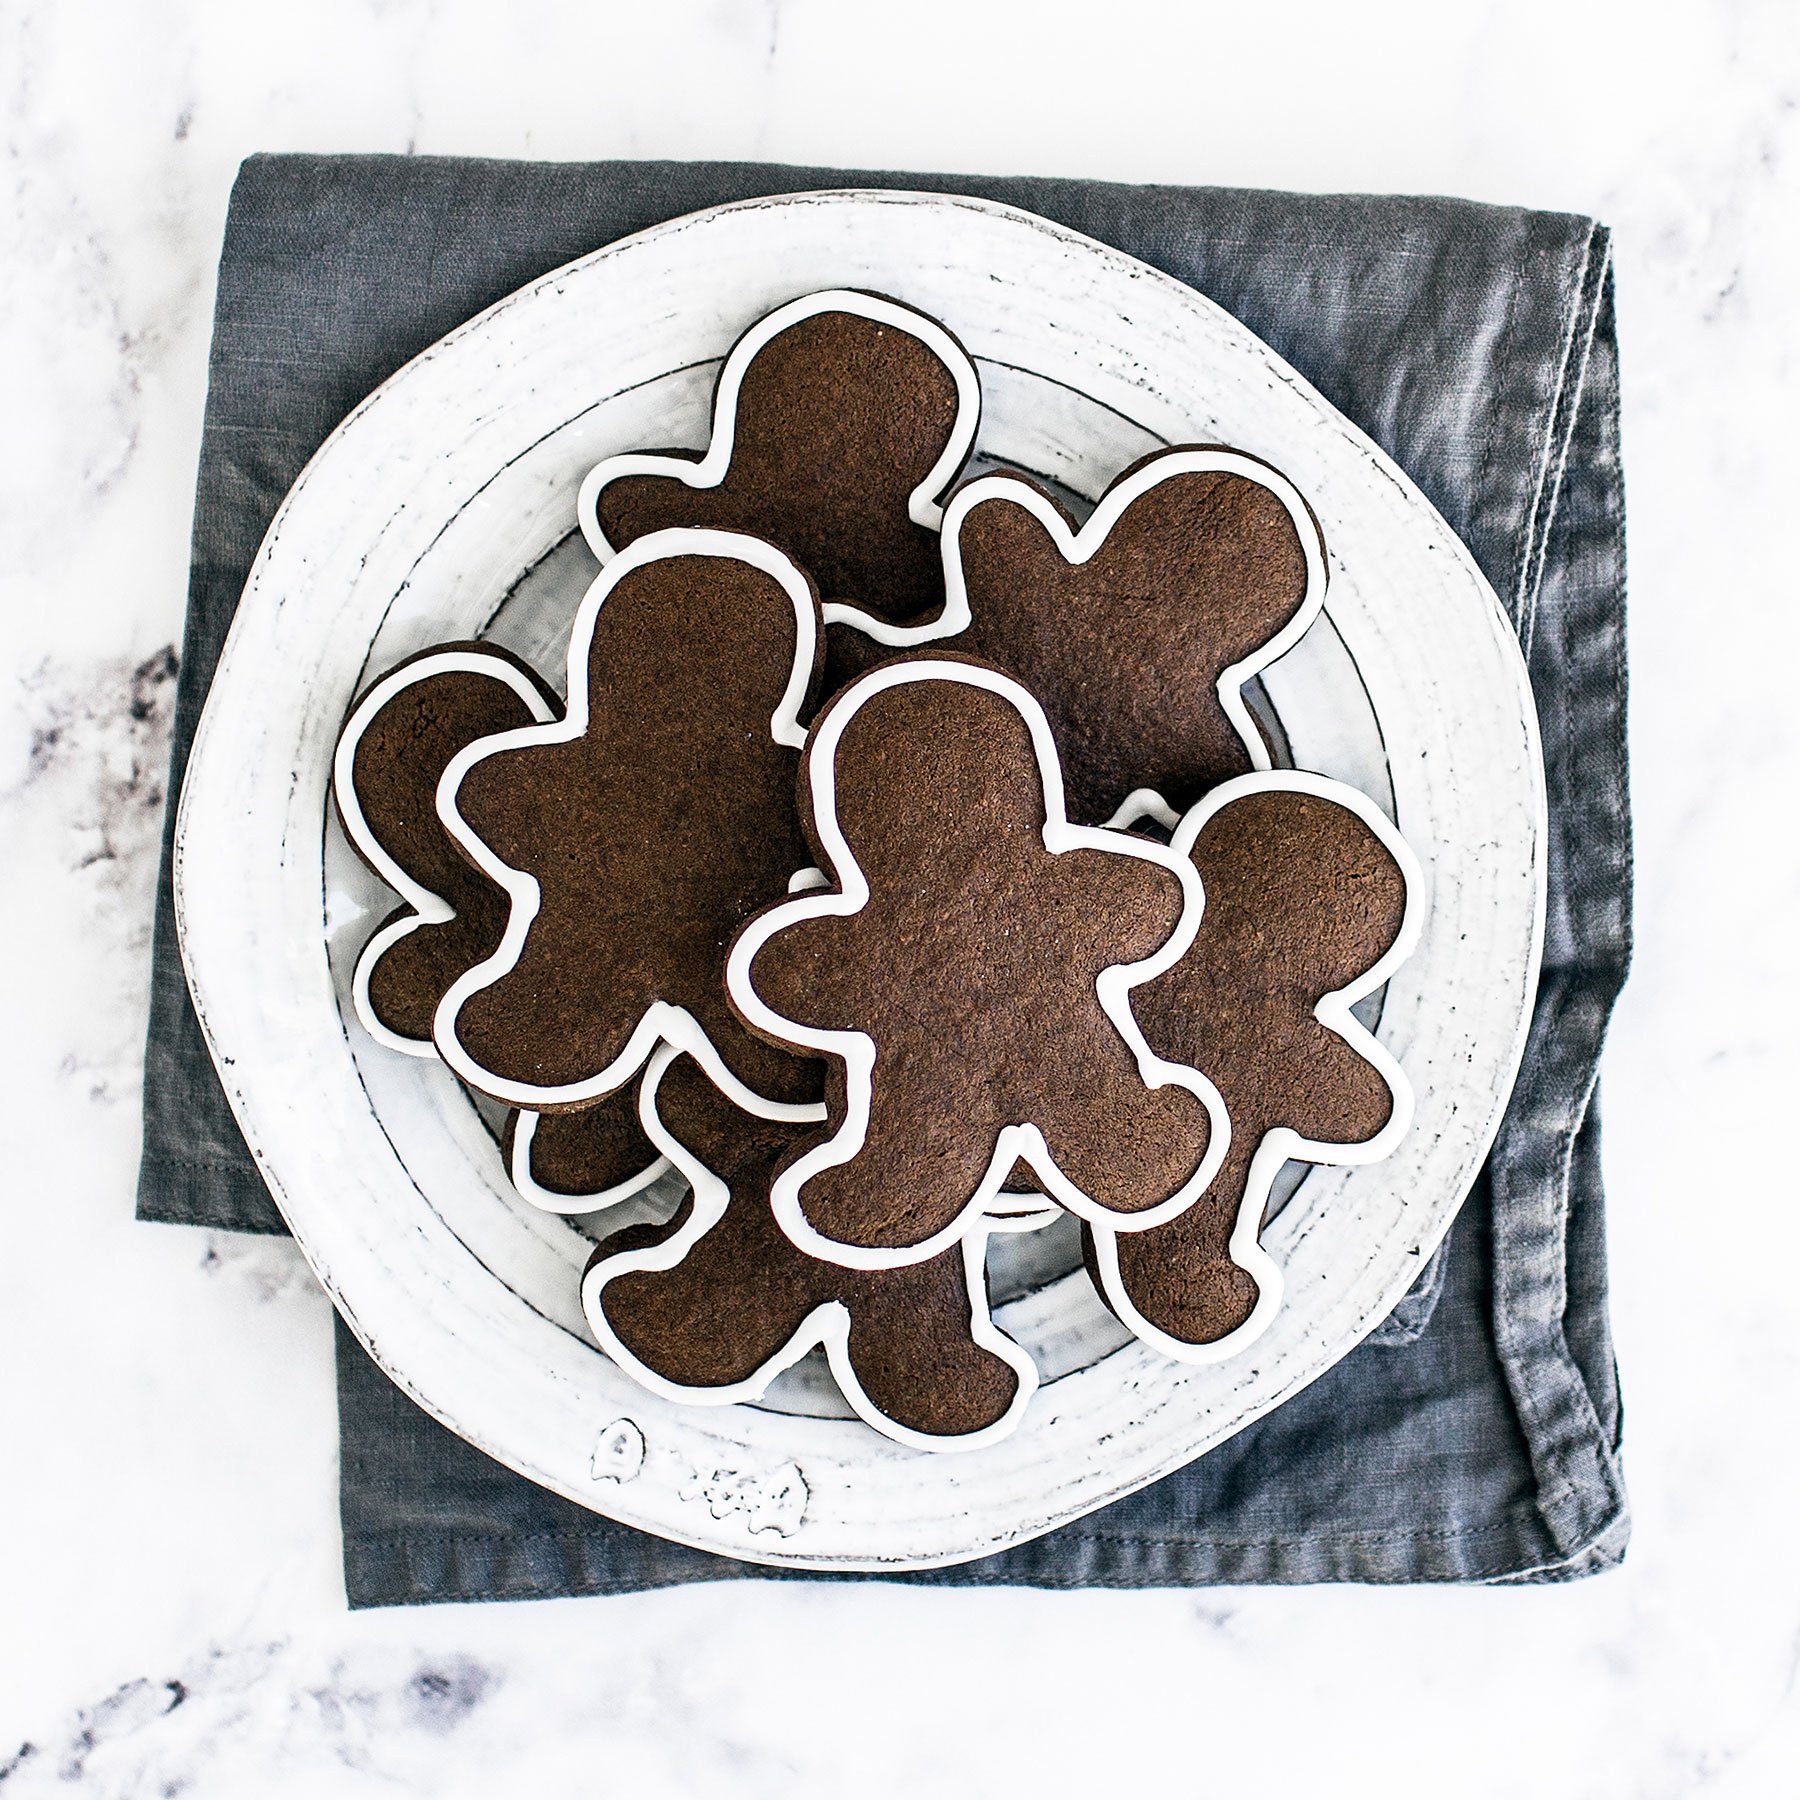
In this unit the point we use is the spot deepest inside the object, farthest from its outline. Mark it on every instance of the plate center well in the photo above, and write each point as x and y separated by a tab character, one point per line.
1313	698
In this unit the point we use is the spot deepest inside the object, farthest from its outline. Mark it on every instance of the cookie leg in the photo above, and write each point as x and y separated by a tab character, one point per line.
914	1357
729	1306
408	975
910	1181
582	1161
1181	1278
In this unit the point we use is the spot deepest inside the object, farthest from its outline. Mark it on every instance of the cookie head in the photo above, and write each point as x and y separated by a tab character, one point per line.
1138	631
966	973
839	423
635	836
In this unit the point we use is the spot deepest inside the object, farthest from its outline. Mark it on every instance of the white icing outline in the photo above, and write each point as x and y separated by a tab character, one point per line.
1283	1144
826	1326
856	1049
924	504
1082	544
661	1021
551	1200
428	908
1140	804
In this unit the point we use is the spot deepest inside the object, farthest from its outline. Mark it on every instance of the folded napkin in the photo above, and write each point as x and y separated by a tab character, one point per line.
1474	1437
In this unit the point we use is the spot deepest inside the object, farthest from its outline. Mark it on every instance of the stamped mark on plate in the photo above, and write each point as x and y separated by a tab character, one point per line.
618	1452
771	1501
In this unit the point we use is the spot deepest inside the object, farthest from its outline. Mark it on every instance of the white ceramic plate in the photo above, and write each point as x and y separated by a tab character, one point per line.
444	507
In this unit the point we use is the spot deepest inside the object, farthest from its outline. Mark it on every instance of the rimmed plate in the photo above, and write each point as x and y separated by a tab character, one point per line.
444	507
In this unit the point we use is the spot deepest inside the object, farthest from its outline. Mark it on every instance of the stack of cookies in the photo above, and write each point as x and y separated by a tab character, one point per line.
905	864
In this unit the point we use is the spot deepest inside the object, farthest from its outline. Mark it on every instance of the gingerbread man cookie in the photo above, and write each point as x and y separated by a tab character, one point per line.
1139	630
712	1306
968	973
635	835
398	739
1313	899
839	422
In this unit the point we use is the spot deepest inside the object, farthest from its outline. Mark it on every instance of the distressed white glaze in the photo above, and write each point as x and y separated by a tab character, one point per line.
377	545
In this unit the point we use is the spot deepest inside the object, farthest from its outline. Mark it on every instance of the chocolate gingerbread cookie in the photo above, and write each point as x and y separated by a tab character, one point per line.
1312	900
400	736
839	422
398	739
633	837
1138	631
713	1305
967	972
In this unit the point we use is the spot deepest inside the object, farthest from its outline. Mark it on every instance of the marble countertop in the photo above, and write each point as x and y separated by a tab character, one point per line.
173	1618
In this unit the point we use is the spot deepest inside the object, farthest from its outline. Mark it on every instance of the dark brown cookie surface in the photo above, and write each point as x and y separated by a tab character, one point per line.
1196	561
597	1155
398	738
912	1348
638	835
839	423
1303	898
970	954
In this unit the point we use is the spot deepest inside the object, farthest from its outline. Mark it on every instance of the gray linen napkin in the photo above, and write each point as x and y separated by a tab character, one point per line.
1475	1436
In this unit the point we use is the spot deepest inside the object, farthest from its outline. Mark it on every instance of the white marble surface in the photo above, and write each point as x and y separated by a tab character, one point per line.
172	1618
